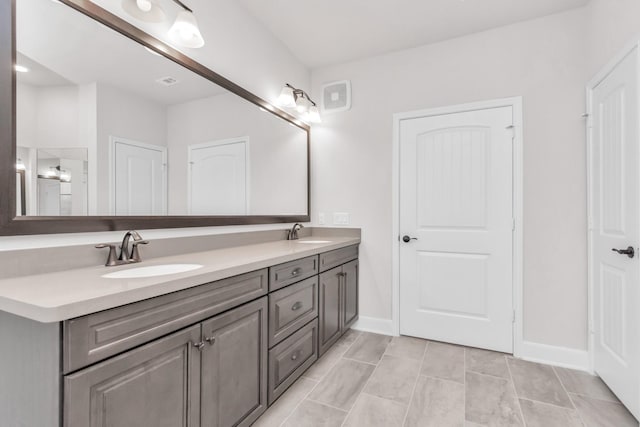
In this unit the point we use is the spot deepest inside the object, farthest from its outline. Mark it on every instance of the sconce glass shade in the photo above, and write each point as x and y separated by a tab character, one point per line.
302	104
313	116
20	165
287	98
144	10
185	31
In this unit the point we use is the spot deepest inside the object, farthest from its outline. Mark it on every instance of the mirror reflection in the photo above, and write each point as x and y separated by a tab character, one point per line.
108	127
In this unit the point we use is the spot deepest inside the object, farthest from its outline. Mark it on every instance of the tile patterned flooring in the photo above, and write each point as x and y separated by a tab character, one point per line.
369	380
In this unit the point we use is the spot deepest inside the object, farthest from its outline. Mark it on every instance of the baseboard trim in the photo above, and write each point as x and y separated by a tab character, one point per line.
555	355
374	324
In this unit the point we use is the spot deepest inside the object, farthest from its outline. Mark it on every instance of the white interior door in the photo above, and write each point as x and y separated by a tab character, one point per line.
615	225
139	178
456	192
218	178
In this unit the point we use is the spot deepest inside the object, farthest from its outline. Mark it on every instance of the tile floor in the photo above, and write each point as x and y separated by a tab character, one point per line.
372	380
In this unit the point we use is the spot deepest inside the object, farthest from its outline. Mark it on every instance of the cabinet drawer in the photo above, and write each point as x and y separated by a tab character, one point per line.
289	359
97	336
291	272
328	260
292	307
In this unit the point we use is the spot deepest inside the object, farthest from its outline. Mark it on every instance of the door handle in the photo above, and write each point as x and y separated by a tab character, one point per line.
407	239
630	252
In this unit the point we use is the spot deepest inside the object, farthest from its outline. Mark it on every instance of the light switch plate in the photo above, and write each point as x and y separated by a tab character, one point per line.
321	219
341	218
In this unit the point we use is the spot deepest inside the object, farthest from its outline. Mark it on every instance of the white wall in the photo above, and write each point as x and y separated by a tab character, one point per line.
277	152
544	61
612	24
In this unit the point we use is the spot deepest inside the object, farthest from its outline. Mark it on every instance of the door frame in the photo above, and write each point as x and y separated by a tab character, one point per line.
518	167
216	143
113	140
591	85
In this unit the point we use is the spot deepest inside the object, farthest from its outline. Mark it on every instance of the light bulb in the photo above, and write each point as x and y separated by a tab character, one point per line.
302	104
287	98
313	116
144	5
185	31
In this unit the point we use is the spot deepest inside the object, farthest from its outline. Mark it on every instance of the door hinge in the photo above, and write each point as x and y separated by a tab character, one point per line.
512	129
513	318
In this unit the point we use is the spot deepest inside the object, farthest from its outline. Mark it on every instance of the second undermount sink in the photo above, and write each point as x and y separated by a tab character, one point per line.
312	242
151	271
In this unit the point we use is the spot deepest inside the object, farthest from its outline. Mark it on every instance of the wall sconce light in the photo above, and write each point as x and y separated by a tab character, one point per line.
297	99
184	31
20	165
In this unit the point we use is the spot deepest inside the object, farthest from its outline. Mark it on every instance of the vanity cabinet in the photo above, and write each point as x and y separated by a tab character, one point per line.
213	355
338	302
211	374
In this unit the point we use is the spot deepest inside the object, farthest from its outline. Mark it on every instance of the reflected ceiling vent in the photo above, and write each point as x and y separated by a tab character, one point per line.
167	81
336	97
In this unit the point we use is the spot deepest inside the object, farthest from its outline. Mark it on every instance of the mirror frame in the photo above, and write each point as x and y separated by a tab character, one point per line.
11	224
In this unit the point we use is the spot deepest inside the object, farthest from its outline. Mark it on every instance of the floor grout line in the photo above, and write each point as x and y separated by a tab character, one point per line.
563	387
464	390
318	381
515	391
415	385
365	384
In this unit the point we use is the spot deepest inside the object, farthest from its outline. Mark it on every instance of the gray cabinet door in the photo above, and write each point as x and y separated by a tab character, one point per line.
155	385
234	366
350	273
329	314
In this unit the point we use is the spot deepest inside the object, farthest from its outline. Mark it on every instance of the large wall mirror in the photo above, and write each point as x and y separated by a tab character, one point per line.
114	129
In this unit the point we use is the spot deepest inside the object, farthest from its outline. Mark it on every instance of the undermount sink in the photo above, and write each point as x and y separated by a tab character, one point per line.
310	242
151	271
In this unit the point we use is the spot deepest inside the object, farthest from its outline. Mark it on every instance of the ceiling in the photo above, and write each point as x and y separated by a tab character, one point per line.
326	32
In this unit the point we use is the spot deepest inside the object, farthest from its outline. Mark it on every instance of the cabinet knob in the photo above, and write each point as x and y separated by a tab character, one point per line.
295	355
296	271
199	345
297	306
210	340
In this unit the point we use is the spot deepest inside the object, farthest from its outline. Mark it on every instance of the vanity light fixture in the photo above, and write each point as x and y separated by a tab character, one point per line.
21	68
20	165
291	97
184	31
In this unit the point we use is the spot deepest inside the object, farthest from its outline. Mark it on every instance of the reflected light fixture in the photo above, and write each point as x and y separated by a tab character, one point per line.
184	32
20	165
21	68
291	97
144	10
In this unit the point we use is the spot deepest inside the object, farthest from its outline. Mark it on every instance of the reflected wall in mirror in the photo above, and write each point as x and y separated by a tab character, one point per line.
108	127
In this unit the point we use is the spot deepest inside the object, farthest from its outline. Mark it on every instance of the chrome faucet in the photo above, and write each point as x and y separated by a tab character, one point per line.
125	256
293	233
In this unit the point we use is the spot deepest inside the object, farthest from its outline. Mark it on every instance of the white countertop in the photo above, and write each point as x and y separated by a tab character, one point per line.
59	296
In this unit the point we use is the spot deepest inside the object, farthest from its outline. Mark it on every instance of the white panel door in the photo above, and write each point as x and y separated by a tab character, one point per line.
615	225
456	281
218	178
139	178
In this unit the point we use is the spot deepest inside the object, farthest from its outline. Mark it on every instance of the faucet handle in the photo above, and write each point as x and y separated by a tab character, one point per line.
135	253
112	258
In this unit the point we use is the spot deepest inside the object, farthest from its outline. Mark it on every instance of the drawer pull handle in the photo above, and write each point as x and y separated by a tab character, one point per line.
295	355
199	345
210	340
297	306
296	271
